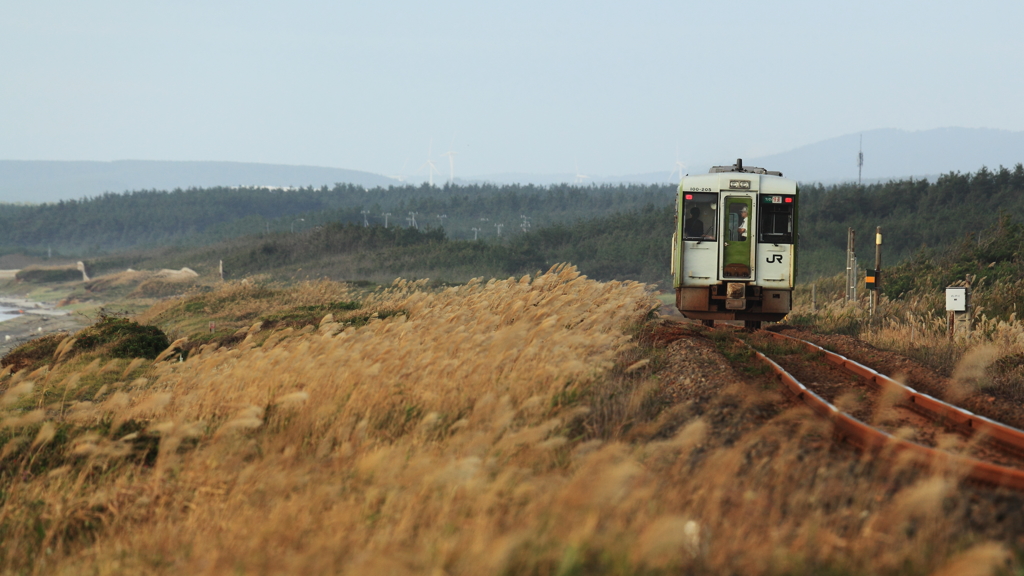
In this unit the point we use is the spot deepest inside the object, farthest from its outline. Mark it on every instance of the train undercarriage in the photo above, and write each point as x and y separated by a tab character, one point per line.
733	301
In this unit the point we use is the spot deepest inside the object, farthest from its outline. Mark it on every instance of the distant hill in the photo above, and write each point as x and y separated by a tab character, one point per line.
894	154
889	154
49	181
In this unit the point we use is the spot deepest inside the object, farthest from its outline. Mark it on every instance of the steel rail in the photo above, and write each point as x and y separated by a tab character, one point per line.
976	423
870	438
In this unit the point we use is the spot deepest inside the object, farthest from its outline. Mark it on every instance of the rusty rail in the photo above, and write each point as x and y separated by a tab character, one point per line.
870	438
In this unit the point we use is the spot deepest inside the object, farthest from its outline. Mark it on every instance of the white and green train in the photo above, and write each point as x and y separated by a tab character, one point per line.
734	247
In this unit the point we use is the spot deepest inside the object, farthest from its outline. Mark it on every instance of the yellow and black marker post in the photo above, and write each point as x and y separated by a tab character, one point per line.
872	280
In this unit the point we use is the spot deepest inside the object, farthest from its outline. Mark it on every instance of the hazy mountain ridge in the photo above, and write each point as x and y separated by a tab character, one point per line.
895	154
888	154
49	181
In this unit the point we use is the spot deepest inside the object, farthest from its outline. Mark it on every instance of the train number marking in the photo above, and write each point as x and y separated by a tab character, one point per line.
774	259
698	189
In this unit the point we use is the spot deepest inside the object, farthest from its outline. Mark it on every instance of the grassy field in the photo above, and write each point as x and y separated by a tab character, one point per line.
518	426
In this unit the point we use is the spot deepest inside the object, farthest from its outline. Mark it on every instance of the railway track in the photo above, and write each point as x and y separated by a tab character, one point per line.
902	419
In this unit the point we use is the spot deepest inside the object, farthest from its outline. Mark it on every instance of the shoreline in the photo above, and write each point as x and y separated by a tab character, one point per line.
37	319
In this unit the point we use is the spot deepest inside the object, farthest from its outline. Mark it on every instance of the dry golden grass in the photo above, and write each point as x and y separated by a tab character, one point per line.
990	357
483	431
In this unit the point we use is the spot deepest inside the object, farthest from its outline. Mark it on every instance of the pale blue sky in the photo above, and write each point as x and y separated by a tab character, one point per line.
522	86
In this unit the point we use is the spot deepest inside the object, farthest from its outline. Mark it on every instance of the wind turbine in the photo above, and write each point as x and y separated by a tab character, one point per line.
680	166
401	175
451	161
580	177
430	162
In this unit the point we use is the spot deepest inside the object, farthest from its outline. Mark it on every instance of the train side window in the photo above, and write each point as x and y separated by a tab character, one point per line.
700	213
776	225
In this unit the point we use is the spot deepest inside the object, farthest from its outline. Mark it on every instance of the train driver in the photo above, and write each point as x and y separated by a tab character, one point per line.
695	229
694	225
743	224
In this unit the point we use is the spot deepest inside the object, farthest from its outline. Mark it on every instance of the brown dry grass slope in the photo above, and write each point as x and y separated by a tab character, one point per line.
501	427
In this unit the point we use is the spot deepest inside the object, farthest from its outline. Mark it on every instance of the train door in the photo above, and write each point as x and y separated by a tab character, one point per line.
699	231
738	241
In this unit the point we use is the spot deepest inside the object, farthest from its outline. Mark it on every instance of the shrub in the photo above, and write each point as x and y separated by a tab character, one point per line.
46	275
125	339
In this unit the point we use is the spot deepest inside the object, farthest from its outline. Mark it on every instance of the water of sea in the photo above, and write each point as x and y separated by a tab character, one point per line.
7	314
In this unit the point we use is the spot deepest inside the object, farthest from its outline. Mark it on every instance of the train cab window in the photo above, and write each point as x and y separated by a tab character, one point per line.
776	224
700	212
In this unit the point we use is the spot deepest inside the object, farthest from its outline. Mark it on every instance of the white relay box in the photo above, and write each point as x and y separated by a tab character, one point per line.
957	299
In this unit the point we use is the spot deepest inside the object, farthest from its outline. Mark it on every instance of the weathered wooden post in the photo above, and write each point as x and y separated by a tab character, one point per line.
851	265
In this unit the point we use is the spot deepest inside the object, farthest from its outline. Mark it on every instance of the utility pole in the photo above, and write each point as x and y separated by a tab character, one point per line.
441	218
412	216
476	232
366	223
860	159
872	282
386	214
851	266
499	226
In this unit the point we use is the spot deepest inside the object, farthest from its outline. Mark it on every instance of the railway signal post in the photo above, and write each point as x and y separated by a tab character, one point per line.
873	277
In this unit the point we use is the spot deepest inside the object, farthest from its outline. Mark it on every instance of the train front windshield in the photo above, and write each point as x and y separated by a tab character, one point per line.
700	212
776	225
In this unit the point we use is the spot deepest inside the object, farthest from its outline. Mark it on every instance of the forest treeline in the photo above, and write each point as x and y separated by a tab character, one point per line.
914	215
195	217
622	246
616	230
